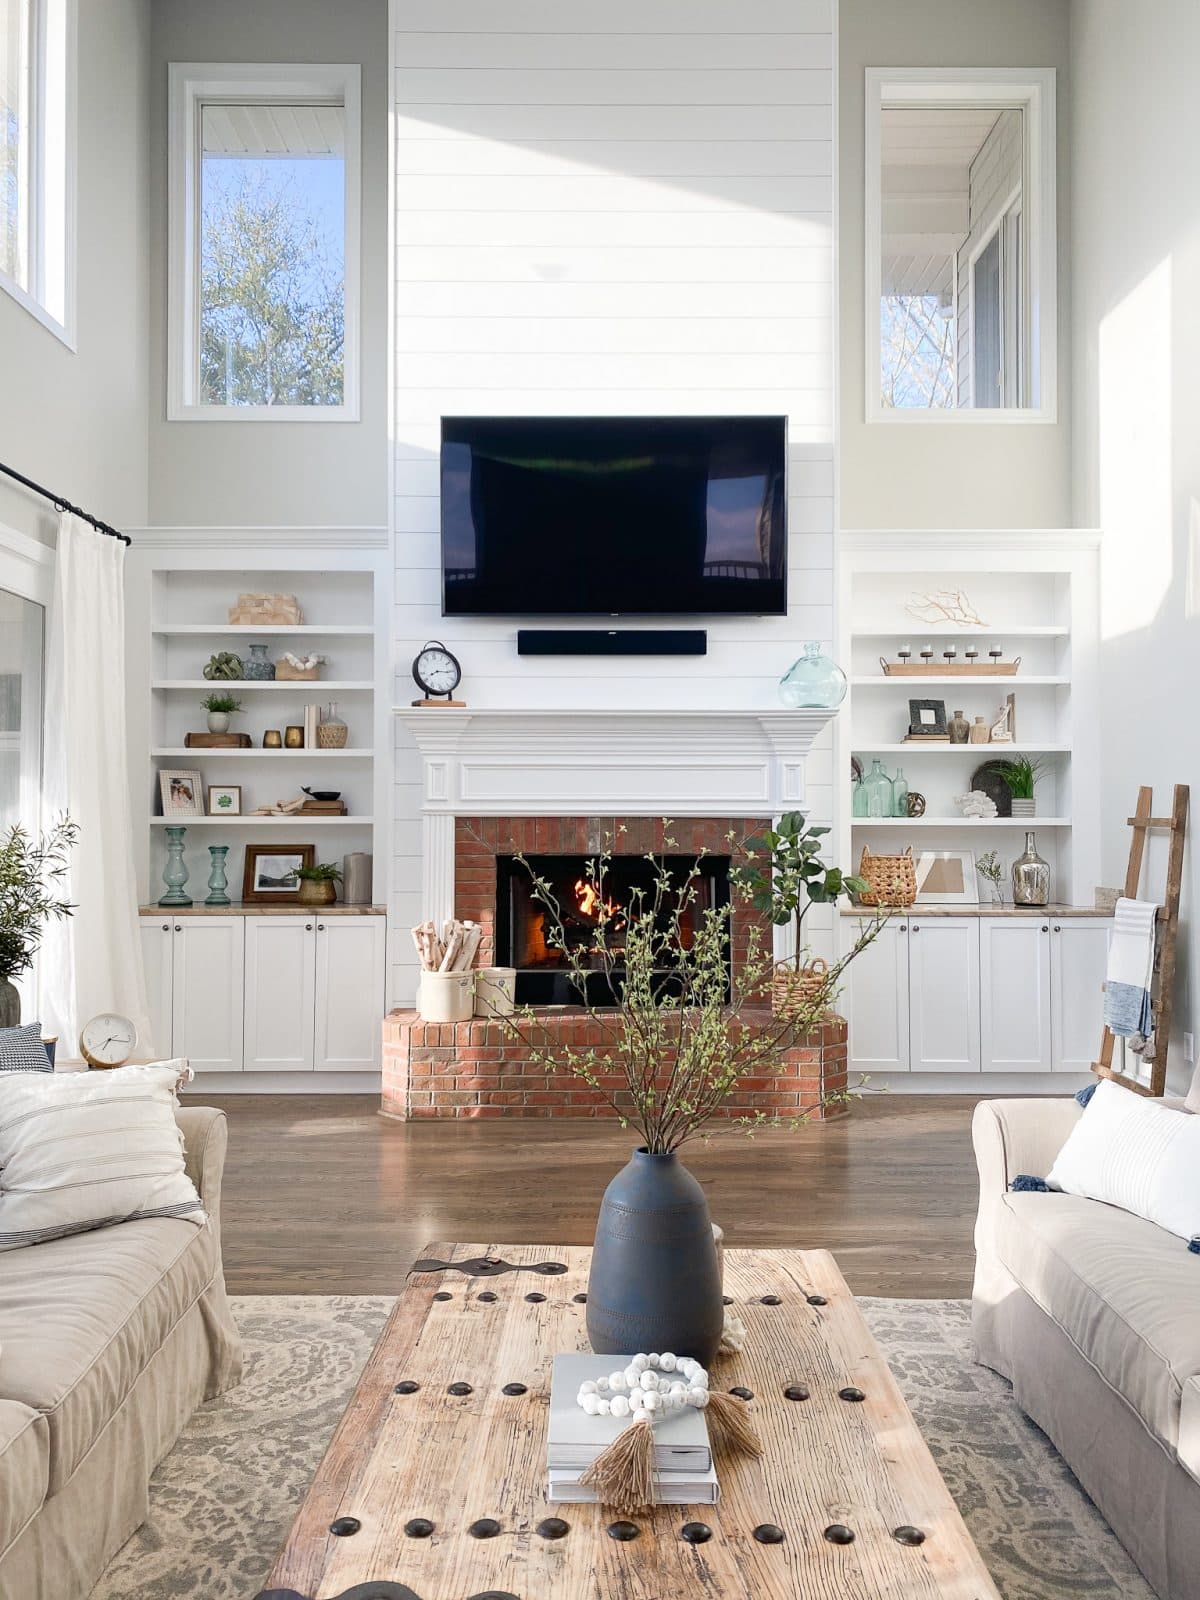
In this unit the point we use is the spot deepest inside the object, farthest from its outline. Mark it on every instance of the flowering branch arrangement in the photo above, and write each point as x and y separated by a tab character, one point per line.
676	1040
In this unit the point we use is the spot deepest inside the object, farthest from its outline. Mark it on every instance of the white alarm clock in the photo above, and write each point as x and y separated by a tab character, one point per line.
108	1040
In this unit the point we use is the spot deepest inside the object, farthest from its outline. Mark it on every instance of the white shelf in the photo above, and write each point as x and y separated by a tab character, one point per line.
296	821
960	822
225	752
332	630
947	630
234	686
936	748
1016	680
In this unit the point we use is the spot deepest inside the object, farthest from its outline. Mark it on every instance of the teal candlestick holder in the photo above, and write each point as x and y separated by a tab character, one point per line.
175	873
218	883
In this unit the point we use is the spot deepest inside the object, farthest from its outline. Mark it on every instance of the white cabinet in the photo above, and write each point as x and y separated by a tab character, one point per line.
1014	999
156	959
943	988
280	993
876	1002
194	988
1078	959
349	991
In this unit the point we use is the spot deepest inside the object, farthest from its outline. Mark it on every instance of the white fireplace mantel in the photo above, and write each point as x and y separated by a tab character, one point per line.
581	762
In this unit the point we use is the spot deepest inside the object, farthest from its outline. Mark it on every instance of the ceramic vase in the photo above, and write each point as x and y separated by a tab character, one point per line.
175	873
1030	876
980	732
1026	807
259	669
218	722
10	1004
218	883
317	892
813	681
655	1282
959	729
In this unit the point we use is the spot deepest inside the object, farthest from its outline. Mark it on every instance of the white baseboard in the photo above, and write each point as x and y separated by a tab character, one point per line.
283	1083
987	1084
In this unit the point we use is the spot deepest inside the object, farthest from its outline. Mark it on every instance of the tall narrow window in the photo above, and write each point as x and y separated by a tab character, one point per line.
36	135
264	278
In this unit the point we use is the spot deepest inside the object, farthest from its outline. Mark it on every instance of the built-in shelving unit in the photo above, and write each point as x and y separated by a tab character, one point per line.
1042	587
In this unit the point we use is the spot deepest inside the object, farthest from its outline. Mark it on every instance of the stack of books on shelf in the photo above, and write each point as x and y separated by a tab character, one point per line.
312	721
684	1473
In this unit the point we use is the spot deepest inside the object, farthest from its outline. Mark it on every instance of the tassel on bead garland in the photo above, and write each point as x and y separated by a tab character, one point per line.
730	1426
623	1475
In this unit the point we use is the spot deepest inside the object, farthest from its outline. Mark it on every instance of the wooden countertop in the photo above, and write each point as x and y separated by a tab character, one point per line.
238	909
984	911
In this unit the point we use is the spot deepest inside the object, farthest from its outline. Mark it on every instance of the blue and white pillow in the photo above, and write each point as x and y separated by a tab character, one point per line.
22	1050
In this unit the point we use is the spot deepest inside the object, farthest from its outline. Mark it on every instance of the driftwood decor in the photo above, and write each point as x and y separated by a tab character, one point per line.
945	605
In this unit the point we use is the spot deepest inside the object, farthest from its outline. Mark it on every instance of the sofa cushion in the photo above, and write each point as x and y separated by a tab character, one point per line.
1126	1293
24	1467
81	1317
1189	1427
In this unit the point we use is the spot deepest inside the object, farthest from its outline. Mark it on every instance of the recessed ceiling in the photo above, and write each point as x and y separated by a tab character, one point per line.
934	136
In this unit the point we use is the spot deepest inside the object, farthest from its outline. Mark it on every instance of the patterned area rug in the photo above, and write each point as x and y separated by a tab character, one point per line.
222	1501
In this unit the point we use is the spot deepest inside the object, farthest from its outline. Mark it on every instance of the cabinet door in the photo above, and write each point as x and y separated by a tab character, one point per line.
943	964
1078	959
876	1002
350	993
1014	994
280	989
207	992
156	959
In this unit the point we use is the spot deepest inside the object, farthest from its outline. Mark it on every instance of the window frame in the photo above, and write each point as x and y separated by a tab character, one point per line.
1032	89
1014	340
191	85
44	219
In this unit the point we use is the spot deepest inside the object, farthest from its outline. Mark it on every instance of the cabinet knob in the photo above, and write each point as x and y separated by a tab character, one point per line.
308	927
166	927
1045	927
916	927
1058	927
320	927
178	927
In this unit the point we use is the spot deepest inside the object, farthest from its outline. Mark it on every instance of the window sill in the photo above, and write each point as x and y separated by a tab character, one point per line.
63	333
181	413
970	417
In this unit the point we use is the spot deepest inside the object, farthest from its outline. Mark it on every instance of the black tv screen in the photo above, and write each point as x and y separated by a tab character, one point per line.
614	516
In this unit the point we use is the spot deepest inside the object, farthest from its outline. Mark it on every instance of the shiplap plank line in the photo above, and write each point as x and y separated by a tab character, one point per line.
706	159
693	303
800	263
491	336
583	85
618	16
521	121
795	196
642	51
553	369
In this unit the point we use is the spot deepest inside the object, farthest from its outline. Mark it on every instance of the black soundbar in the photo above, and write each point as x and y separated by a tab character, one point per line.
612	642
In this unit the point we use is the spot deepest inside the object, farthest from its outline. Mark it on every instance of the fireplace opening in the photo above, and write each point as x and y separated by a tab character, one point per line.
524	926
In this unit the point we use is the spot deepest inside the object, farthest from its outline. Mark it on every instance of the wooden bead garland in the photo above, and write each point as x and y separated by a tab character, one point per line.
647	1387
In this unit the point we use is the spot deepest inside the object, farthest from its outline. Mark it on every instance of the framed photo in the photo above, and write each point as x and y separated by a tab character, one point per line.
927	718
270	877
182	792
224	799
947	877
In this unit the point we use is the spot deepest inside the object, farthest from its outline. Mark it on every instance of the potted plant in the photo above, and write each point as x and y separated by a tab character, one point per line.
675	1047
31	878
220	708
788	879
318	884
1020	774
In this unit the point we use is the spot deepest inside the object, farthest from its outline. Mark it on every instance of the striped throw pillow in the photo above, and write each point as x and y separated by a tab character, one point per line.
22	1050
83	1150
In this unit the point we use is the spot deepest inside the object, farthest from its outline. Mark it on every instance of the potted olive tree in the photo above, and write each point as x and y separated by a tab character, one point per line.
32	874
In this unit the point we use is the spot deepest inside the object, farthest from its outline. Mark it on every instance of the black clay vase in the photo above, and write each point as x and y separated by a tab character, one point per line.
655	1283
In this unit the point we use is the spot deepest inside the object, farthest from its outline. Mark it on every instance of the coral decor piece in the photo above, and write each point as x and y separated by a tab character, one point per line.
945	605
975	804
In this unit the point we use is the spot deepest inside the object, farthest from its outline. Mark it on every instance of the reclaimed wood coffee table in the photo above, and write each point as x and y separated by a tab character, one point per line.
433	1487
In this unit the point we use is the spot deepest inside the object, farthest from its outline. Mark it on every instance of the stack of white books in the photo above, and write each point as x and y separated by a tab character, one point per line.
683	1474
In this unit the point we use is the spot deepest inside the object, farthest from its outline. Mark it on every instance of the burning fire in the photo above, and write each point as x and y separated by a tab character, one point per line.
590	903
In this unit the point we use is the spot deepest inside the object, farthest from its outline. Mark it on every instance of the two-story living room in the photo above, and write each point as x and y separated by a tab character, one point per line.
597	608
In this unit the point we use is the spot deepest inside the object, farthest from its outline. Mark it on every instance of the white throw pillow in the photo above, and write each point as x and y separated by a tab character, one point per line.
82	1150
1136	1154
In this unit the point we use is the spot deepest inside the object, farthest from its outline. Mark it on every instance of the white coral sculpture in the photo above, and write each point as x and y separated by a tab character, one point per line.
945	605
975	804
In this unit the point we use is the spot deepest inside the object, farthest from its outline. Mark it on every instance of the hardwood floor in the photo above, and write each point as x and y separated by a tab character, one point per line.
322	1196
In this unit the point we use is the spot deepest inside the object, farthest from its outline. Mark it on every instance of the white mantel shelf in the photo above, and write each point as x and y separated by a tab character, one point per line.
641	761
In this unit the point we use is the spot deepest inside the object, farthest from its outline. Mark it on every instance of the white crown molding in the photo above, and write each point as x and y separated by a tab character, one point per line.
359	536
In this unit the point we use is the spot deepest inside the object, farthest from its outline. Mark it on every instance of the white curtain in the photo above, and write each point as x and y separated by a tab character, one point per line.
92	961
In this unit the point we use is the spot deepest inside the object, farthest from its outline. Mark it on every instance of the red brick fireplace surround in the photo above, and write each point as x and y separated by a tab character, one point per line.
477	1069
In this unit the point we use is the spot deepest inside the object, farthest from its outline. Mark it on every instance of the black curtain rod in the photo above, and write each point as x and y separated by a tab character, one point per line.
60	504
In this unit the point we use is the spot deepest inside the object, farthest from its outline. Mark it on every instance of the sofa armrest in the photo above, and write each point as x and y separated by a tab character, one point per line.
205	1140
1010	1137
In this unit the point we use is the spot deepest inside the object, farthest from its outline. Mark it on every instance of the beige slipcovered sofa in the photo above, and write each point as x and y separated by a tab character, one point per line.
108	1342
1094	1317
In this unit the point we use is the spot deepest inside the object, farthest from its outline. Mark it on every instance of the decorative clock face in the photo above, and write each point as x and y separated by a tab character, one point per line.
108	1040
435	669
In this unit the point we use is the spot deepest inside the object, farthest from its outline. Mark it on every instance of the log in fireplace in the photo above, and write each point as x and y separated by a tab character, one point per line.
524	927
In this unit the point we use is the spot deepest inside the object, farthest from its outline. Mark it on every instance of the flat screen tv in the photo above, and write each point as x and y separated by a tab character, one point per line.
614	516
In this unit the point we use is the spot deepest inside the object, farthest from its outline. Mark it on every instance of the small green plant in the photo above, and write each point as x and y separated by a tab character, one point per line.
793	879
322	872
31	877
226	703
1020	775
991	871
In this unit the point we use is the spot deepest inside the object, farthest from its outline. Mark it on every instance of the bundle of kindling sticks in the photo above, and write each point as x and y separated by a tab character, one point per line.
453	948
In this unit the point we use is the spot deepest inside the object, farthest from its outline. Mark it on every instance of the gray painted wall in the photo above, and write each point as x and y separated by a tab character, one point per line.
76	420
1136	337
959	475
266	473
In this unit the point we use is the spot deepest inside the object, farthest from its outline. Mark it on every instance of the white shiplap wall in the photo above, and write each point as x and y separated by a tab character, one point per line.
624	209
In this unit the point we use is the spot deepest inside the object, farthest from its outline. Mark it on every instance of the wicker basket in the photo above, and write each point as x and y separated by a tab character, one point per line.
793	989
285	672
332	735
892	880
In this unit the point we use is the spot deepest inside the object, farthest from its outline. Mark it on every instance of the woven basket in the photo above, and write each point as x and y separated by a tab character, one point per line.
332	735
892	880
793	989
287	673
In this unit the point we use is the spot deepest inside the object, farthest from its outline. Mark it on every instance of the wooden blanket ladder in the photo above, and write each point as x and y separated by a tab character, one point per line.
1163	981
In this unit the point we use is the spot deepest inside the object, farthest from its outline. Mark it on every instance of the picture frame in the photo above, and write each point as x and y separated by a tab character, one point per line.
182	792
224	799
927	719
947	878
268	876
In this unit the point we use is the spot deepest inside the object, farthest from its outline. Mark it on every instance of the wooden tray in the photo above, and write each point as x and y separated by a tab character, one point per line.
216	741
952	669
